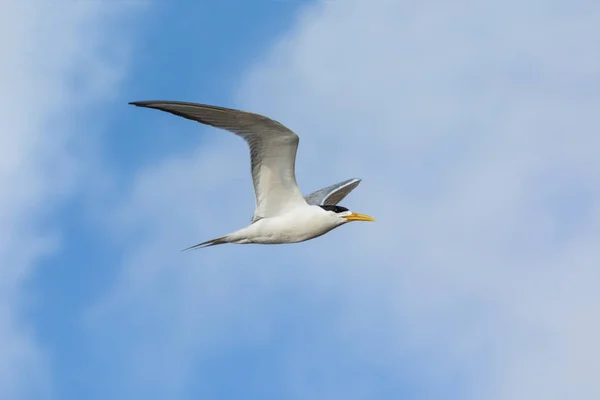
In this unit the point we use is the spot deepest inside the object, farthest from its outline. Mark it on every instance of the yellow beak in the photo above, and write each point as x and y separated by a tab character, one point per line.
359	217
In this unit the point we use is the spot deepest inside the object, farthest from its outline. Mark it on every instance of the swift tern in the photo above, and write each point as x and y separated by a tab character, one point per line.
282	214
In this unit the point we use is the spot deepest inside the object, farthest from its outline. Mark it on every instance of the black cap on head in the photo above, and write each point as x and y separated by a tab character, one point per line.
335	209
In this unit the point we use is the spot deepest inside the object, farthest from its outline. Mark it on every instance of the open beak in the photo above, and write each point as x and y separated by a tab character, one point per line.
359	217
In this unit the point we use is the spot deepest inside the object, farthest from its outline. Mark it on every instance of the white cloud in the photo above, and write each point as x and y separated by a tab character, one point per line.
54	64
474	129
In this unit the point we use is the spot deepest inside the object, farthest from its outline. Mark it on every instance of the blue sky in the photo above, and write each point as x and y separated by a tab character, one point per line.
473	127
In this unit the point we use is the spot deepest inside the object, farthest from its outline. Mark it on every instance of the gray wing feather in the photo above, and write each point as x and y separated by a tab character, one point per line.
332	195
272	150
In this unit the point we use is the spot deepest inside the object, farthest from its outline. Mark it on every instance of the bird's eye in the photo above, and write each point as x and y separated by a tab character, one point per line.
335	209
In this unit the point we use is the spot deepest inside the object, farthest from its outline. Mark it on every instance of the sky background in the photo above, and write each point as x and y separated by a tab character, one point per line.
474	126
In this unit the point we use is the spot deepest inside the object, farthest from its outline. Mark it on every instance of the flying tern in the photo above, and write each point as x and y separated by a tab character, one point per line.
282	214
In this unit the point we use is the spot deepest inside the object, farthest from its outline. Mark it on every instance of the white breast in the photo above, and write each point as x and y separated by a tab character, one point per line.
300	224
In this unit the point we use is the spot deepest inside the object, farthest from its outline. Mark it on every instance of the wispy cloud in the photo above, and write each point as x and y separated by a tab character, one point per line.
473	128
54	65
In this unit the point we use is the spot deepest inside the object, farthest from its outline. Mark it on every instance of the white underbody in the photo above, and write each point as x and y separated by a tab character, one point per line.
300	224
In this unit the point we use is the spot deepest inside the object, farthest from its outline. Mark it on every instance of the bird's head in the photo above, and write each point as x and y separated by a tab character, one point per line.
343	215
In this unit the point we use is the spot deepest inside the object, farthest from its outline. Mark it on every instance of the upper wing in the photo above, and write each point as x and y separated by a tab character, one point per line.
272	151
331	195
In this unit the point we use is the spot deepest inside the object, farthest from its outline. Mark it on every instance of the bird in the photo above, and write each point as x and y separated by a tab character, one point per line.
282	214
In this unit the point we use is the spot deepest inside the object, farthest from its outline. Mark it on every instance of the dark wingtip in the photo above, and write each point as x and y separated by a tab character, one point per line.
140	103
352	181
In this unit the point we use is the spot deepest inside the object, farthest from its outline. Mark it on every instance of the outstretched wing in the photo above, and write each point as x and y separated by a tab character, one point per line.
332	195
272	151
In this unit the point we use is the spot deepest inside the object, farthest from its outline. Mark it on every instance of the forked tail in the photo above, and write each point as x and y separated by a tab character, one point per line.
208	243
